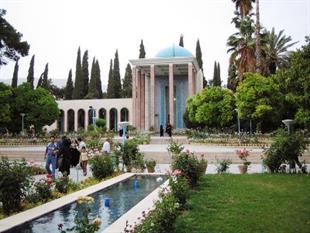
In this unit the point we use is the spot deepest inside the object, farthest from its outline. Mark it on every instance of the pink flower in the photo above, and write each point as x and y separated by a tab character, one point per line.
177	172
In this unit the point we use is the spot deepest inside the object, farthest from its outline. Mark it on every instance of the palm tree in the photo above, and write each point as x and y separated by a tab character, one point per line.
258	40
276	50
244	6
242	46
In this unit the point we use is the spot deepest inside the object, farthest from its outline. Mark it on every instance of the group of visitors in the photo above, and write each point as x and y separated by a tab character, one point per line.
67	153
168	130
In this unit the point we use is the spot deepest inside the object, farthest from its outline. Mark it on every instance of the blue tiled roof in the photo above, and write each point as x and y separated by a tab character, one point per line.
174	51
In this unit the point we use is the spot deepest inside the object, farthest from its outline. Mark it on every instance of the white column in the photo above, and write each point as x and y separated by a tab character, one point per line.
76	120
65	121
118	115
138	100
171	95
147	107
86	119
133	120
152	90
107	117
190	79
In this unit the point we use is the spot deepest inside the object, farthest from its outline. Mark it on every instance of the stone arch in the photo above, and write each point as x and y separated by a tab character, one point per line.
103	114
113	119
61	121
81	119
70	120
90	116
124	114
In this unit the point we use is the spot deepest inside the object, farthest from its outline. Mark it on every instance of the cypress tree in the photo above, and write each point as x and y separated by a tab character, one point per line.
15	75
110	82
40	81
117	77
181	43
142	50
219	74
69	87
30	77
85	73
78	84
216	75
92	82
200	62
98	81
127	82
45	78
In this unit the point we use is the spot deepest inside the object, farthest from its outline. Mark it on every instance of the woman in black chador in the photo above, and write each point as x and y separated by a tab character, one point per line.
65	157
161	131
169	129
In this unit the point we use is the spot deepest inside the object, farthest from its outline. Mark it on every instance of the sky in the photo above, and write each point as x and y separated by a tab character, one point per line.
56	28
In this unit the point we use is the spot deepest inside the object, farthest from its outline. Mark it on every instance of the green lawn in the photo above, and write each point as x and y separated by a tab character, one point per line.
248	203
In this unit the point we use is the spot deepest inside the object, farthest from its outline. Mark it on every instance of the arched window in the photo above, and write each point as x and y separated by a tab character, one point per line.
60	121
70	120
124	114
113	119
81	119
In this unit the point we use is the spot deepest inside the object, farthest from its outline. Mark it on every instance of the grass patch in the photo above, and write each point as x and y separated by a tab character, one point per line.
248	203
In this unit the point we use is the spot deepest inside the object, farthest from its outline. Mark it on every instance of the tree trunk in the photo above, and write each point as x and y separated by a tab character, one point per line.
258	40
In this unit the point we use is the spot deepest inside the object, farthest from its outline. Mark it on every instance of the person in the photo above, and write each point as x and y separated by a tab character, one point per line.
50	156
81	144
65	157
161	131
169	129
106	147
74	153
84	160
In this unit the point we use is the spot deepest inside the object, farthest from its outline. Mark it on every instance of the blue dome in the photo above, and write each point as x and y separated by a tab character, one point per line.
174	51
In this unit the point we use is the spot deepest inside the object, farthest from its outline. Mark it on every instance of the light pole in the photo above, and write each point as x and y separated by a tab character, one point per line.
288	123
94	116
22	115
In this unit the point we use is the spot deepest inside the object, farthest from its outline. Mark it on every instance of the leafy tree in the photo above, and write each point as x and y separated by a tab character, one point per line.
111	83
95	90
200	62
114	83
181	43
30	77
232	80
57	92
5	101
294	83
69	86
213	106
43	80
127	82
142	50
78	84
259	99
85	73
15	75
219	80
11	46
39	106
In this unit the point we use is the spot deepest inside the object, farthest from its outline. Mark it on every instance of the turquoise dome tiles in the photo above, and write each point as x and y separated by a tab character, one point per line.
174	51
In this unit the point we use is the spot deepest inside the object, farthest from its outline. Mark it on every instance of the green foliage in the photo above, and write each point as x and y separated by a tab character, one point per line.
43	191
127	82
100	122
150	165
30	77
142	50
189	165
78	84
95	89
179	189
114	83
213	106
216	82
111	83
199	60
62	184
85	73
223	165
162	218
11	46
259	99
15	75
101	166
69	87
5	105
15	178
285	148
174	147
39	106
43	80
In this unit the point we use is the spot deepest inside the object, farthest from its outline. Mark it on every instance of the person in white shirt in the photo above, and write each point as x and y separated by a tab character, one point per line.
81	144
106	147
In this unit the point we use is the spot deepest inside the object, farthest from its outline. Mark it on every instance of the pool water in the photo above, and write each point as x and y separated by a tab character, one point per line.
123	196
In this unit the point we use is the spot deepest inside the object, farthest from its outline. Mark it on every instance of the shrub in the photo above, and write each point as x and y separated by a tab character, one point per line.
174	147
101	166
150	165
189	165
62	184
43	190
162	218
15	179
179	189
223	165
285	148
